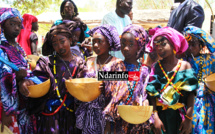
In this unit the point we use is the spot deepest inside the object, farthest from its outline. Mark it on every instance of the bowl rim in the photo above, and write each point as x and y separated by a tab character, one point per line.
46	81
209	76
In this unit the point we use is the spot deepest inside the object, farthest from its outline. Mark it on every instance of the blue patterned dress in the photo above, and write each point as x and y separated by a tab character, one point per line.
204	108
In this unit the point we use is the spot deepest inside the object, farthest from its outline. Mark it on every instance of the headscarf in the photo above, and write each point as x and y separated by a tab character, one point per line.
110	33
62	8
24	37
139	33
174	37
77	25
7	13
61	29
205	38
153	30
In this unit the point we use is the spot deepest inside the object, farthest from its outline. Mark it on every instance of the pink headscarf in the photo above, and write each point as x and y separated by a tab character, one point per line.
175	38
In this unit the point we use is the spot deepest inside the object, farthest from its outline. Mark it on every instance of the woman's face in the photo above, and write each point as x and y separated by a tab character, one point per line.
12	27
35	26
100	44
163	47
61	45
76	37
69	9
129	46
194	47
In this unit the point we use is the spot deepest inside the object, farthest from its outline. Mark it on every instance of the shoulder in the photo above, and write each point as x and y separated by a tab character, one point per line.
109	16
33	36
185	65
117	62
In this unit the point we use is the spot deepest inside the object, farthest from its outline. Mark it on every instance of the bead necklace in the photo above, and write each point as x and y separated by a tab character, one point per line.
170	80
21	52
57	90
199	76
85	57
131	90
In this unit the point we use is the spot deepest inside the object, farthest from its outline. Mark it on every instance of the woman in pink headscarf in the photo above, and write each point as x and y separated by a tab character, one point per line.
27	38
172	83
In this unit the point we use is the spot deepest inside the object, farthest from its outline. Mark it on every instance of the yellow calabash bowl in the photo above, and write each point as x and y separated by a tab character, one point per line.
135	114
210	82
32	60
6	130
83	89
36	91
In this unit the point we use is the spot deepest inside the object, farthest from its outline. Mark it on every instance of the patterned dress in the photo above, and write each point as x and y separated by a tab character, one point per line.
170	104
63	121
13	102
91	116
204	108
130	128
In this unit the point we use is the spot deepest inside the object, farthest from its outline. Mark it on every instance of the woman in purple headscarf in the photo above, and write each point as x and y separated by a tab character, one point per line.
172	83
93	116
56	110
133	41
14	104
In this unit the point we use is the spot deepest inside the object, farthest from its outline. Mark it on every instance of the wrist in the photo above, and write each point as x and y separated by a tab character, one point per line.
188	117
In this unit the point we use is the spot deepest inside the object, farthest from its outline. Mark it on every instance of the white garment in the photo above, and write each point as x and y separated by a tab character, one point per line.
113	19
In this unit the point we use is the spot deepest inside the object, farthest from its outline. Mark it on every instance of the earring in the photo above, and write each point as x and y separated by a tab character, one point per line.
174	52
62	13
74	13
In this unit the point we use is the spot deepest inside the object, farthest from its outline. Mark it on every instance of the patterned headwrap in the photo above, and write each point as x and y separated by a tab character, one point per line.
7	13
110	33
61	29
77	25
205	38
23	37
174	37
139	33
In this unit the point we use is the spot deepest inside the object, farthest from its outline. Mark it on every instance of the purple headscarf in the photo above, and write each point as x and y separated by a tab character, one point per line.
175	38
7	13
110	33
139	33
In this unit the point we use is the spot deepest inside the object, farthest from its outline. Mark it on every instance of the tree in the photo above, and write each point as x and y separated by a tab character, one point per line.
34	7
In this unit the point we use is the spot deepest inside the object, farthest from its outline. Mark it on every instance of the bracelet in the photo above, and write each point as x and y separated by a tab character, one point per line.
155	111
190	118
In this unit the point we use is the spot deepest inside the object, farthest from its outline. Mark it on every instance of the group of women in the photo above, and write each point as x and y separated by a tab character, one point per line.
167	83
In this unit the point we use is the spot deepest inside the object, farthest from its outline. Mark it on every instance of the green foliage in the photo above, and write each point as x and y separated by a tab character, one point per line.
34	7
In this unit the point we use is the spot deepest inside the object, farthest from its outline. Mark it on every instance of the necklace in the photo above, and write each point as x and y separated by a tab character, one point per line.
57	90
21	52
199	76
170	80
65	65
132	89
101	66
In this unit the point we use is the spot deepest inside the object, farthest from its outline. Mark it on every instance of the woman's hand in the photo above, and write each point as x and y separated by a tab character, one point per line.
87	44
23	86
5	119
21	74
101	86
158	125
186	126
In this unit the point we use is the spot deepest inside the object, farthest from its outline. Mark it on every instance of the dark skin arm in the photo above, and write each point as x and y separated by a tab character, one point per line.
158	124
34	47
186	125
